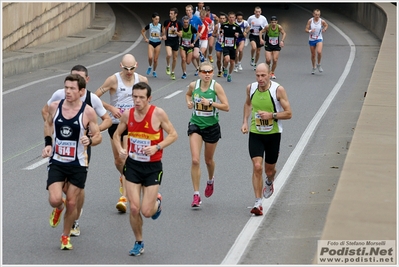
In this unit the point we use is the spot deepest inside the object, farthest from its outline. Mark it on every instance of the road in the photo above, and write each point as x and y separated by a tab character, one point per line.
313	148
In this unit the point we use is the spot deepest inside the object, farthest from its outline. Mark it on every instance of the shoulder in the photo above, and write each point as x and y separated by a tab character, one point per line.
142	78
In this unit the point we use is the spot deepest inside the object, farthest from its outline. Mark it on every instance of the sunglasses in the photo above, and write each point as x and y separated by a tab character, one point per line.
206	71
127	68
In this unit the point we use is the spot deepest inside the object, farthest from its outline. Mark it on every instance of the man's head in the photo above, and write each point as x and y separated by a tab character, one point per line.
273	20
141	95
262	73
222	17
239	16
82	71
257	11
186	21
232	17
173	13
189	11
128	65
73	86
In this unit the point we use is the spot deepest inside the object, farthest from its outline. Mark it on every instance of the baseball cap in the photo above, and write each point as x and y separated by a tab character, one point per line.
273	18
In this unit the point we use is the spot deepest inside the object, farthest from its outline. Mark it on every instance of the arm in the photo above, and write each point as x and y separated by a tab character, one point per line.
95	134
48	129
285	104
189	94
261	33
308	29
116	139
284	34
224	103
109	85
247	111
143	30
325	25
45	112
143	79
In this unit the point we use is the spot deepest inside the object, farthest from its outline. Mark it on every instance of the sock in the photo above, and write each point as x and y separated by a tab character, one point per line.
196	193
268	182
139	242
210	181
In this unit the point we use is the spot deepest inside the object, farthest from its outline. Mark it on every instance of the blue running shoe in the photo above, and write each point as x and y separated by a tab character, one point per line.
184	76
196	73
202	58
138	249
225	72
158	212
229	78
154	73
149	70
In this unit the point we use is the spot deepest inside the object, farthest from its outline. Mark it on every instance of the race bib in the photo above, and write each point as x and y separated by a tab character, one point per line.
229	41
136	149
202	110
273	40
65	150
263	125
185	42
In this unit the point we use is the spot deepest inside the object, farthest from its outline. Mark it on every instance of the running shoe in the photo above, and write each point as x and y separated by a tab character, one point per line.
257	210
121	205
66	243
154	73
229	78
220	73
55	216
196	72
236	69
225	72
239	66
209	188
319	68
172	76
184	76
120	186
168	70
75	231
252	61
254	66
273	76
313	70
137	249
158	212
202	58
210	58
268	190
196	201
149	70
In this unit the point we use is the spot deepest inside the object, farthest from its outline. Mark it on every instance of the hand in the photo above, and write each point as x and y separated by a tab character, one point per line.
150	150
85	140
265	115
190	104
116	112
204	101
123	153
46	152
244	128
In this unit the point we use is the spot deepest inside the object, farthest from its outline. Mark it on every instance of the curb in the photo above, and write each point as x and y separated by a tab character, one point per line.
96	35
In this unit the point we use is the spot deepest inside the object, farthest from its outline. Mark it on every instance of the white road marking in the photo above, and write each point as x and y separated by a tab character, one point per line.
235	253
37	164
173	94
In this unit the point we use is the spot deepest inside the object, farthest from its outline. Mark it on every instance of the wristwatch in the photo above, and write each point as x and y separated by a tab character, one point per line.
158	147
275	116
210	102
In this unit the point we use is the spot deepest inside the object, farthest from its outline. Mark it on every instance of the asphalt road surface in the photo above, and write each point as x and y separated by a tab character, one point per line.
313	148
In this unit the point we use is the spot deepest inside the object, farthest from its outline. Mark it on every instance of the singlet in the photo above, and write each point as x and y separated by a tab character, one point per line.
220	34
204	116
155	32
140	135
206	23
257	24
318	27
195	22
265	101
243	24
67	149
171	34
89	98
273	36
122	98
229	38
187	36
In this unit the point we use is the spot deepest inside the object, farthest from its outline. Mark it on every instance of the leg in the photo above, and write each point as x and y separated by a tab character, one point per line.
174	61
157	51
319	48
55	195
257	180
253	49
275	55
71	212
209	151
133	192
168	50
268	55
195	147
313	56
183	60
150	54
